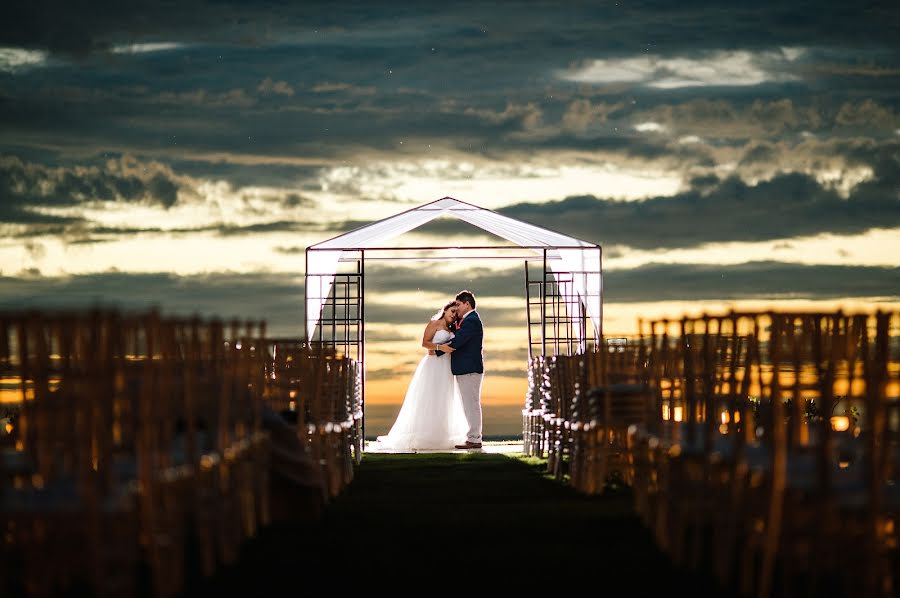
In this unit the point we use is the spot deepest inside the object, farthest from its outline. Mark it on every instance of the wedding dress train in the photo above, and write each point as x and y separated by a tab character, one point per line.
432	415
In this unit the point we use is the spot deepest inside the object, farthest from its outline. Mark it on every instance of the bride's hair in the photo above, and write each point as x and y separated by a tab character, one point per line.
443	310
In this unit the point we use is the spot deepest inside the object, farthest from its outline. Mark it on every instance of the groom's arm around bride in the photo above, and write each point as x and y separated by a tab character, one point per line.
467	356
468	340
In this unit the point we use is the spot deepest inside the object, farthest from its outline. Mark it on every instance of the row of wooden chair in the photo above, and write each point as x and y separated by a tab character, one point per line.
320	390
773	455
763	447
532	413
578	411
137	455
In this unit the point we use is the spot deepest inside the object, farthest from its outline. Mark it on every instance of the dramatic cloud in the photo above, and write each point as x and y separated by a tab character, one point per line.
661	27
279	81
721	69
757	280
144	48
738	119
13	60
788	205
276	298
26	188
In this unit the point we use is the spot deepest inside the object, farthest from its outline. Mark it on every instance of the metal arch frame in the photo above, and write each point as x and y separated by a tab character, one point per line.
549	289
566	326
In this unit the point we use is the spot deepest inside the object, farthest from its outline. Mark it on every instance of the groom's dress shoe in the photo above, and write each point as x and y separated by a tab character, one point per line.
469	445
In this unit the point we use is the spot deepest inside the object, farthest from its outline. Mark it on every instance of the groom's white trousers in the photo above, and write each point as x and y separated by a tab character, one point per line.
470	393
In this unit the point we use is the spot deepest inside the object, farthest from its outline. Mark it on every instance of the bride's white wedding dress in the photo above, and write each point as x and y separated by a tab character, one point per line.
432	415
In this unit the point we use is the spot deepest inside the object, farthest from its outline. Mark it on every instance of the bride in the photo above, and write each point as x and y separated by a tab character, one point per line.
432	416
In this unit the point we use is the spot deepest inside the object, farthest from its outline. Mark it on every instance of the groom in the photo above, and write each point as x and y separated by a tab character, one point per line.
467	364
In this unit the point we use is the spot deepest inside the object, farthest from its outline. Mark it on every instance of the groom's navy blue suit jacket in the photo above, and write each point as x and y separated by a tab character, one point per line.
468	357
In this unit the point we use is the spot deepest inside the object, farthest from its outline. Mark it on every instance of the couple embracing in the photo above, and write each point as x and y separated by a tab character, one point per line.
442	408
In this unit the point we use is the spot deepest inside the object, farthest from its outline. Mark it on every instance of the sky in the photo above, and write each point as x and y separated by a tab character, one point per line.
724	154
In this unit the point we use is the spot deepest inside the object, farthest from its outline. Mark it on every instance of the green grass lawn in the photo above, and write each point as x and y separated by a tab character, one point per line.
462	524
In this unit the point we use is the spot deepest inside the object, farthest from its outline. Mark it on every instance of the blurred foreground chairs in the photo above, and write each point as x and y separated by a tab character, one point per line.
773	460
320	391
761	447
579	408
141	452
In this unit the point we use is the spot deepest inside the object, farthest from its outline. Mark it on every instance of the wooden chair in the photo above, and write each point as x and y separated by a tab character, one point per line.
742	467
553	414
663	444
139	436
812	516
532	415
718	367
69	524
739	370
163	480
643	439
885	527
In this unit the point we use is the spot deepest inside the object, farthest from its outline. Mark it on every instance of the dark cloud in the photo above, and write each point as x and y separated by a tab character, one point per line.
81	28
162	190
240	175
730	116
788	205
279	297
26	188
754	280
325	82
666	26
759	153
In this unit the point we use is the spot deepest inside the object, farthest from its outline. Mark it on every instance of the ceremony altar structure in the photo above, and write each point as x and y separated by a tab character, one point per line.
562	278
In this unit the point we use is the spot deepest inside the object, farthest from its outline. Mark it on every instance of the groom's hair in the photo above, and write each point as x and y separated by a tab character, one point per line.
466	297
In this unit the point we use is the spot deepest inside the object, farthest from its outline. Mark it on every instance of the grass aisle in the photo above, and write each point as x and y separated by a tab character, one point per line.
453	518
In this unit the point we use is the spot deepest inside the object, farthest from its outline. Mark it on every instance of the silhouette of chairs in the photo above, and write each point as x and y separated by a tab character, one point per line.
817	508
578	411
763	459
138	450
322	391
761	447
561	396
532	414
617	398
66	520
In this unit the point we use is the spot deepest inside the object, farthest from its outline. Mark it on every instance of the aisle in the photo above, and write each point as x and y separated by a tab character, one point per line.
454	518
499	447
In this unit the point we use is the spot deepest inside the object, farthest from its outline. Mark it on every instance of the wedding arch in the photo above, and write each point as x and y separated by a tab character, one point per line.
563	278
